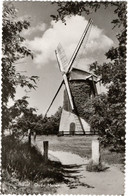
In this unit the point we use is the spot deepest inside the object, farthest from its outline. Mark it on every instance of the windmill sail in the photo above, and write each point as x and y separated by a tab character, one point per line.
80	58
61	56
73	58
68	67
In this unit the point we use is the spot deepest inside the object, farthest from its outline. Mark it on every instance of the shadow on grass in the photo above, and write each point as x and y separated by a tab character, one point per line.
24	162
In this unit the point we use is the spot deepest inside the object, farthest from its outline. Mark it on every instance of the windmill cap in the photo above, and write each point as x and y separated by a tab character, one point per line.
79	74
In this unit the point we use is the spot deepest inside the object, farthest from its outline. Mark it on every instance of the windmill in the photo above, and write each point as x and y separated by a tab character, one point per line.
74	78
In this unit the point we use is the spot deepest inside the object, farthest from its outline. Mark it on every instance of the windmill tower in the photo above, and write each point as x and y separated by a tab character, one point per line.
78	84
82	87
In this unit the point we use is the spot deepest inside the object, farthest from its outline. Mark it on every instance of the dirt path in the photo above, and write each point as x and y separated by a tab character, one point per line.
68	158
109	182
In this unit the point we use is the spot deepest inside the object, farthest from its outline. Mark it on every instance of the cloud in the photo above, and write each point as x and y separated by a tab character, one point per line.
68	35
30	30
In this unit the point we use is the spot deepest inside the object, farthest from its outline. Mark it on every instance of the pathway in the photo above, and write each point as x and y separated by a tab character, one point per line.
109	182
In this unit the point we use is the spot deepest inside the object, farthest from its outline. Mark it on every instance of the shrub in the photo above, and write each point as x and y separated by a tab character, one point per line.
92	167
26	163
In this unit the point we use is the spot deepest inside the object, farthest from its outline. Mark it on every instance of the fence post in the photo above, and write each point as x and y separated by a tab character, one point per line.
96	151
45	144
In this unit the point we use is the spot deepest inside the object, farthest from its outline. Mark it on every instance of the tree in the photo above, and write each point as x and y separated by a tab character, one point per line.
113	75
14	111
27	121
13	50
50	125
78	8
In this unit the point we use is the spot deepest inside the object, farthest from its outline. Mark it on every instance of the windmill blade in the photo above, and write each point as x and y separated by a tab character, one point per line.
72	59
60	63
68	91
80	57
65	66
62	58
79	45
54	98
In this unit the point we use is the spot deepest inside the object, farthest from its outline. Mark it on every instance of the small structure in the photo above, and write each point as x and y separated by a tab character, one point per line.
96	151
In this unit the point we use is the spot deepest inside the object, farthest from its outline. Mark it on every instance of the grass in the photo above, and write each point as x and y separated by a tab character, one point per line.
26	162
80	145
12	185
112	157
22	162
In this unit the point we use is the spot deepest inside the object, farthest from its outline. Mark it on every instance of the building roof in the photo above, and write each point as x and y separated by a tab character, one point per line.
79	74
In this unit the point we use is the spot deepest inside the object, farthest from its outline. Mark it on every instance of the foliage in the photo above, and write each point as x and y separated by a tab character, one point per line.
22	118
26	163
106	118
92	167
51	124
74	8
80	92
113	75
13	49
78	8
13	112
28	119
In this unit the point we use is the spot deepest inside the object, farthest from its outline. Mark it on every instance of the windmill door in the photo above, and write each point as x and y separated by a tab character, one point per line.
72	128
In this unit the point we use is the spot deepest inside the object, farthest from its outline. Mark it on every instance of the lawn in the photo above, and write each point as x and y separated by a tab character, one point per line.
80	145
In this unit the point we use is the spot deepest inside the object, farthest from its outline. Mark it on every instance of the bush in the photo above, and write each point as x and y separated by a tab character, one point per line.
92	167
26	163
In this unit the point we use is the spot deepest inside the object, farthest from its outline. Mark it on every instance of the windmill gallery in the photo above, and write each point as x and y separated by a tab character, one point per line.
78	84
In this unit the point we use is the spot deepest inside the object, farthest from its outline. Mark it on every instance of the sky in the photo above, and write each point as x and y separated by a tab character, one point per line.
43	37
